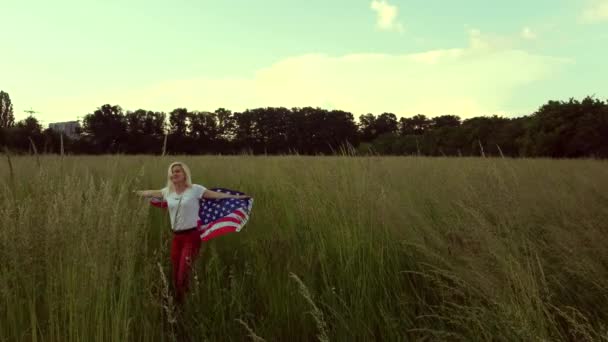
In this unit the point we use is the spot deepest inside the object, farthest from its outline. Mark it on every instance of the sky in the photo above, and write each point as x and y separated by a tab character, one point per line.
65	58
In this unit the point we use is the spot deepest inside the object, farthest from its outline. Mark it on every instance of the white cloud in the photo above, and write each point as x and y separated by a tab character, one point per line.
471	81
386	16
488	41
528	34
597	10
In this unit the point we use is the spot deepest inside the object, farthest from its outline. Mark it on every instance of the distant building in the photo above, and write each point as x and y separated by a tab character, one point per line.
69	128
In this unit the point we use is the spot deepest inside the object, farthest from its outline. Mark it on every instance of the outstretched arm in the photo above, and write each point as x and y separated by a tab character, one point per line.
149	193
209	194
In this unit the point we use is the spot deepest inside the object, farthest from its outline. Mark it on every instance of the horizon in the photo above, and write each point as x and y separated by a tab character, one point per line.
404	57
355	115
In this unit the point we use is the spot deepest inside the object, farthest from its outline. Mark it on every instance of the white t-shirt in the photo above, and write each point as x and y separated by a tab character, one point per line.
185	206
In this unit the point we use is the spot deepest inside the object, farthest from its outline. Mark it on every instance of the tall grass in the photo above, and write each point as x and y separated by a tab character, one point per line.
337	249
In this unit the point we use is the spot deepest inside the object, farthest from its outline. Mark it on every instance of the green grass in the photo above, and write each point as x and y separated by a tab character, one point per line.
337	249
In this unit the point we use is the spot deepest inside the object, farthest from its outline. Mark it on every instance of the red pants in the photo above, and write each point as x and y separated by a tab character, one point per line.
184	249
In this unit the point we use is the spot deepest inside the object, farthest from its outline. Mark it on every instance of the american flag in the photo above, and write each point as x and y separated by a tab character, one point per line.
218	217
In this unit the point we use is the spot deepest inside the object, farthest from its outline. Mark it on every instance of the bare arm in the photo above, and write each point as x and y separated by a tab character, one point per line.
149	193
209	194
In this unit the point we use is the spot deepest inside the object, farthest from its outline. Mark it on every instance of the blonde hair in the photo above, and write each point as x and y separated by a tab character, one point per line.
170	186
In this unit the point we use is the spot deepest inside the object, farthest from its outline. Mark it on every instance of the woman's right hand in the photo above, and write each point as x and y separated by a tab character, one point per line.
141	193
148	193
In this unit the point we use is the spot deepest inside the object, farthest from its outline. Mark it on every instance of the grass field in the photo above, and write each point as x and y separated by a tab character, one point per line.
337	249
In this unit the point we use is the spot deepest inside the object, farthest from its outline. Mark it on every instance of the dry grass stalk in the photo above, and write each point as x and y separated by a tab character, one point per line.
10	164
500	151
252	334
481	148
317	314
61	145
169	307
35	150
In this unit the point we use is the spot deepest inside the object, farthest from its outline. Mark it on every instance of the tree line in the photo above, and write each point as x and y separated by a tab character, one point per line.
558	129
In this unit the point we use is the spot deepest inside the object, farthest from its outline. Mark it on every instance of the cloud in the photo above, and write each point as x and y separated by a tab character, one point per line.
486	41
597	10
386	16
475	80
528	34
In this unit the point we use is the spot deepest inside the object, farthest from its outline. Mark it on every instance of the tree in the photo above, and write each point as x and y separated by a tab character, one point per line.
262	130
203	131
7	119
106	129
341	129
568	129
225	131
52	141
485	130
386	123
328	131
415	125
558	129
367	127
145	131
179	140
225	123
445	121
298	135
371	127
178	124
244	131
20	134
270	129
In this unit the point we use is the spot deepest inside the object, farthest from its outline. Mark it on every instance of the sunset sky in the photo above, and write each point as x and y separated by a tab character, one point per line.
65	58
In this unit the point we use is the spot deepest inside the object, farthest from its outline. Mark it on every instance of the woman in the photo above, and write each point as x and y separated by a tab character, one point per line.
182	199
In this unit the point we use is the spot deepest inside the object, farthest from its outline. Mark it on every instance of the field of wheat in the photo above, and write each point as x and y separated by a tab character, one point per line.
337	249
